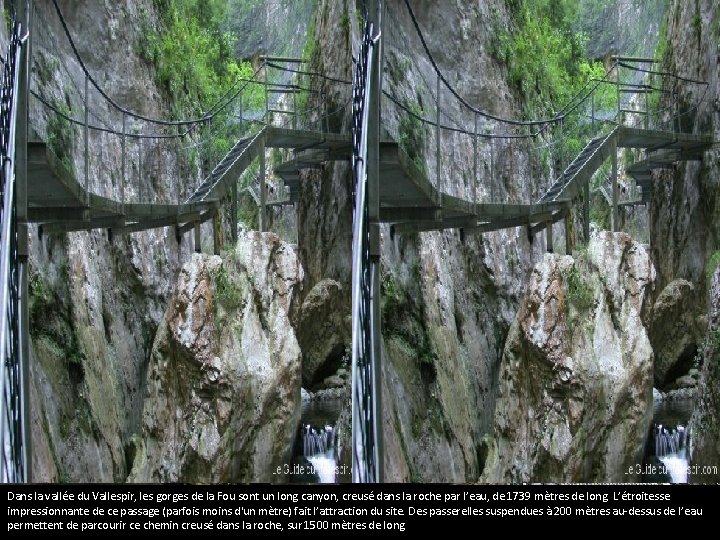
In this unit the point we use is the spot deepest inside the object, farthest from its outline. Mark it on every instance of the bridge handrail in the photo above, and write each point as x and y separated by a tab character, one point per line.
365	460
14	467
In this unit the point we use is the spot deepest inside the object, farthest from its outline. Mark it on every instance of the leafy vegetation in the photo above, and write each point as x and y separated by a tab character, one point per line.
308	52
194	62
546	61
579	291
228	292
412	136
400	322
192	56
60	137
48	322
544	55
712	263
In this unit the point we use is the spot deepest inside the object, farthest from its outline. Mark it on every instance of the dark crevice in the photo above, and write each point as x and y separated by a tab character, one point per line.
332	363
681	366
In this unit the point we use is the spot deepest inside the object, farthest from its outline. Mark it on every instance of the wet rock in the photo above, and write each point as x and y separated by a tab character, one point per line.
657	395
686	381
223	385
575	397
333	381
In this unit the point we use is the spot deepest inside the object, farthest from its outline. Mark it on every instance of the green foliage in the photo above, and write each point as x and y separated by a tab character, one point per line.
546	62
60	135
193	60
40	298
544	55
663	49
412	136
345	24
192	56
308	53
399	321
228	292
712	263
47	321
579	291
697	23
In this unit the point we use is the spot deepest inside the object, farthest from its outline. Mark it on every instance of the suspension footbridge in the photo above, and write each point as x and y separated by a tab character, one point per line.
407	186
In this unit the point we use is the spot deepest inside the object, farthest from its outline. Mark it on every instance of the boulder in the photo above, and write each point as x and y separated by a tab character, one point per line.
686	381
673	331
223	385
323	330
575	391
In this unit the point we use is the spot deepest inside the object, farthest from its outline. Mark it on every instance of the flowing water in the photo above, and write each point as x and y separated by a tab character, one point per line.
667	448
315	457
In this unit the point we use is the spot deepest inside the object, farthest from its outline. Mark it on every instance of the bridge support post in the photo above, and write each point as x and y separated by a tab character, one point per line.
569	240
614	225
586	212
198	244
217	232
233	212
263	191
549	235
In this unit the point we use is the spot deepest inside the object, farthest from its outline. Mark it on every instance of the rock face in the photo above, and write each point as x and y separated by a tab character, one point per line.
705	421
223	387
575	397
448	304
323	330
673	331
686	203
95	305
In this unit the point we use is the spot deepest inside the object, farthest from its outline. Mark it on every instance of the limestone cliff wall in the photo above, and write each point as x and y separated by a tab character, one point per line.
447	304
95	304
684	232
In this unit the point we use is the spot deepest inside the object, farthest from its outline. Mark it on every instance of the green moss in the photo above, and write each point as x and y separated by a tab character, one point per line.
580	291
412	136
60	137
697	23
228	291
712	263
308	53
402	322
345	25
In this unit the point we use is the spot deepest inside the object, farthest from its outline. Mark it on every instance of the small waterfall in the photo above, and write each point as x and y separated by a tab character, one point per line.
319	450
317	441
671	449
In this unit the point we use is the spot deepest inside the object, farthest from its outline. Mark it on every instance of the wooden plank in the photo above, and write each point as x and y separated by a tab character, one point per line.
557	216
157	223
407	213
73	226
202	218
426	226
509	223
